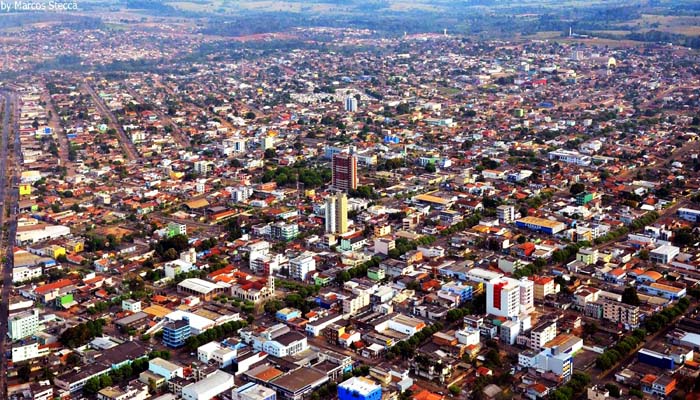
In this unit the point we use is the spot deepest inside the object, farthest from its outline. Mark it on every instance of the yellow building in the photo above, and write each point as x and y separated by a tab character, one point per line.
25	189
54	251
175	175
75	246
382	230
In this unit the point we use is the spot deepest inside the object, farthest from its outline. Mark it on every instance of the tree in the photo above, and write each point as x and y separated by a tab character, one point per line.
270	154
24	373
577	188
105	380
170	254
613	389
92	386
629	296
454	389
430	167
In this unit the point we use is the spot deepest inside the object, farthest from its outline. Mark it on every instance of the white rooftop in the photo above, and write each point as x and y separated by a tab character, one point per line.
363	386
202	286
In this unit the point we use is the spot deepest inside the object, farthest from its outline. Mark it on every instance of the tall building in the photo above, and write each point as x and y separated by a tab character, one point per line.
176	332
527	295
301	266
337	213
505	213
23	325
344	169
621	313
542	333
503	297
350	104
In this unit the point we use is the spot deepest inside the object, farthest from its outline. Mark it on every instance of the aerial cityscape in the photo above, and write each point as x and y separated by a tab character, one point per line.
350	199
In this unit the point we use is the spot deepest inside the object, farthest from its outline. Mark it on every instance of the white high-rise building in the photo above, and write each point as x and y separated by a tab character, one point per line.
527	295
23	325
505	213
300	266
350	104
258	250
503	297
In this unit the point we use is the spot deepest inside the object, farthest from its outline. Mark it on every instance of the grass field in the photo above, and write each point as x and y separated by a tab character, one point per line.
683	25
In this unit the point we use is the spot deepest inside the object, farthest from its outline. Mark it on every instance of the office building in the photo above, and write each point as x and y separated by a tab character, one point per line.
176	332
337	213
344	172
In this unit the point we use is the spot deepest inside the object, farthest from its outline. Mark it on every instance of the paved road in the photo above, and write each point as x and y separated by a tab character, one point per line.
54	122
9	194
177	133
126	143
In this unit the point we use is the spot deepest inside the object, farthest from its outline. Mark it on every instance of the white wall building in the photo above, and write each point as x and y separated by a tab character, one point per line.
503	297
209	387
542	333
300	266
23	325
215	352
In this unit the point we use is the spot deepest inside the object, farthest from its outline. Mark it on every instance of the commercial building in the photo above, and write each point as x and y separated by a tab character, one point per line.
298	384
209	387
664	254
165	368
74	380
406	325
540	225
28	351
570	157
253	391
216	353
344	172
689	214
176	332
656	359
41	233
359	388
663	290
